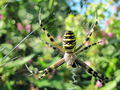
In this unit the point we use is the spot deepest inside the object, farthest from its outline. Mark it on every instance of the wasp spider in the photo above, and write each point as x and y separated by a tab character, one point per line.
70	53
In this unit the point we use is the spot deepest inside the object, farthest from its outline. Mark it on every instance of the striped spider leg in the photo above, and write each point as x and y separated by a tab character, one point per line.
97	75
51	38
87	47
51	68
45	72
88	36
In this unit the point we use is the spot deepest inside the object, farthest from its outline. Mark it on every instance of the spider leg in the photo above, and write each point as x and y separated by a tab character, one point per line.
48	70
97	75
51	38
88	36
51	46
87	47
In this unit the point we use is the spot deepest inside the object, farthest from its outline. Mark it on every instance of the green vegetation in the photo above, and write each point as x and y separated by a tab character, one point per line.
20	17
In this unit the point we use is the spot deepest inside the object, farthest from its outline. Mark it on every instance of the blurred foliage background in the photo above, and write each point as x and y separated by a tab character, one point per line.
20	17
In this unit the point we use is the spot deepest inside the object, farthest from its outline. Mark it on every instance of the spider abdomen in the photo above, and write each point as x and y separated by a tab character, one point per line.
69	41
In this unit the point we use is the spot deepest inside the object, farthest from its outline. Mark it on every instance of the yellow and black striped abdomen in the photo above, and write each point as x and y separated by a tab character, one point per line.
69	41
